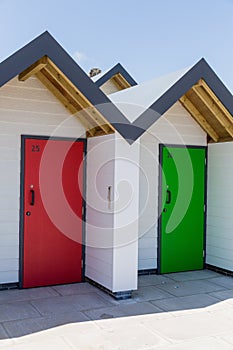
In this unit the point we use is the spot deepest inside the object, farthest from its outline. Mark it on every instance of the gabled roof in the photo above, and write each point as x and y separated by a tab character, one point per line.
116	72
196	87
45	58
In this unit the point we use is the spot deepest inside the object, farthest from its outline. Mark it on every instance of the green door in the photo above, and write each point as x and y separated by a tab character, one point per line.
182	203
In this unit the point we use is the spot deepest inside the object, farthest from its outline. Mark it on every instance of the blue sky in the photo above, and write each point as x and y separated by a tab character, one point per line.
150	38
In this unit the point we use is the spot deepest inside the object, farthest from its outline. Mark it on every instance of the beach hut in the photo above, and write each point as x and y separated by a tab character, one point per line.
103	178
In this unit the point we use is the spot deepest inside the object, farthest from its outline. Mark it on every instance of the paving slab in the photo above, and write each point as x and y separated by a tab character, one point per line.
224	295
69	303
190	287
17	311
57	305
116	324
223	313
123	310
142	308
55	343
185	303
6	343
95	341
192	275
229	339
92	301
221	305
3	333
7	296
109	298
124	338
32	325
190	327
150	293
205	344
224	281
104	313
83	288
75	288
81	327
153	280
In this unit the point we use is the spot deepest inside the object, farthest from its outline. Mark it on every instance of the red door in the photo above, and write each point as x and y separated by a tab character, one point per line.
52	221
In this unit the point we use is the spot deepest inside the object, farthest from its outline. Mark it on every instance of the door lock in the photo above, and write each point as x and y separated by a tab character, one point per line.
28	213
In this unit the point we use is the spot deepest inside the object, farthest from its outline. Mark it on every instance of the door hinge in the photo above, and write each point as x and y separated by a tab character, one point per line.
82	263
205	161
204	208
203	253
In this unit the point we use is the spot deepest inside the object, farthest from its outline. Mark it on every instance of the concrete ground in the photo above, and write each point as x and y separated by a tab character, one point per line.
191	310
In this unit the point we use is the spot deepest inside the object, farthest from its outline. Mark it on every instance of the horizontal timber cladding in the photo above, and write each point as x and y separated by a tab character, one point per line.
175	127
112	212
25	108
219	249
99	216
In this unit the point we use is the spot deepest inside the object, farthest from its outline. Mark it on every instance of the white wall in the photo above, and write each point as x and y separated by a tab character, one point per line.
112	226
99	211
126	210
109	87
175	127
220	206
25	108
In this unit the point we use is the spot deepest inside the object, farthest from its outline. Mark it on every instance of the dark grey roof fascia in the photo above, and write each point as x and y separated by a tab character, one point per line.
118	68
201	70
45	44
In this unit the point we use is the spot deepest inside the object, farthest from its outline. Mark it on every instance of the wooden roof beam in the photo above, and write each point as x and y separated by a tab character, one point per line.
67	104
224	139
77	96
97	131
33	69
215	99
199	118
214	109
120	81
44	80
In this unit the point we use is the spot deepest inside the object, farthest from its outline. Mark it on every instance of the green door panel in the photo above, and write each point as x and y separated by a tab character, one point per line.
182	209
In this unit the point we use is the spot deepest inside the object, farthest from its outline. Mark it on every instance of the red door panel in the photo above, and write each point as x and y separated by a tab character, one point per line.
52	239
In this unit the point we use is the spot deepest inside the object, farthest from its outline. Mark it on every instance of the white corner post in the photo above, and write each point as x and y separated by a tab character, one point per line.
112	197
126	212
